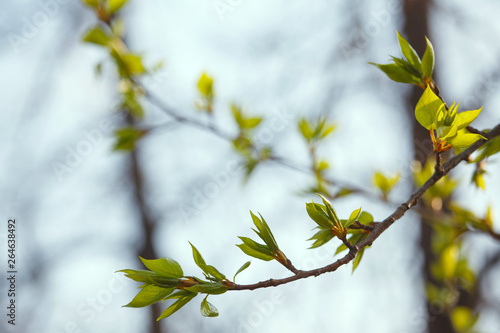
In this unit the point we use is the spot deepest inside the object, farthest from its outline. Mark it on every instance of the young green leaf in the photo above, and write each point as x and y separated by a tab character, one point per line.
305	129
97	36
179	294
397	73
264	232
91	3
215	288
251	122
427	108
464	119
149	294
428	60
127	138
464	139
385	183
205	85
321	237
327	130
115	5
478	179
404	64
133	64
329	210
353	217
208	269
164	267
207	309
256	250
318	215
492	147
365	218
409	53
140	275
357	260
198	259
464	319
252	252
177	305
242	268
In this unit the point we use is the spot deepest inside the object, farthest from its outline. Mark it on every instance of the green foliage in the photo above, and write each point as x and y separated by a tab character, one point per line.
326	218
244	122
207	309
410	69
206	90
313	132
98	36
91	3
241	269
464	319
244	142
205	85
115	5
127	137
464	219
164	267
442	189
317	130
447	126
357	236
491	148
129	65
385	183
267	252
428	60
409	53
329	225
210	272
427	108
182	299
165	280
133	64
149	294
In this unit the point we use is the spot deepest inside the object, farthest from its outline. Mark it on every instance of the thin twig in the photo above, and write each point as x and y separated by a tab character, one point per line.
291	267
437	167
475	131
211	128
348	244
381	227
357	225
494	234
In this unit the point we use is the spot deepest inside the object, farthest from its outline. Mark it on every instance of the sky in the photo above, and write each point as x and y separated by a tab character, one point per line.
279	60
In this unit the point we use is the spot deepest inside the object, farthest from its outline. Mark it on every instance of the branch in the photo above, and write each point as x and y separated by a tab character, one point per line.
381	227
494	234
211	128
183	119
357	225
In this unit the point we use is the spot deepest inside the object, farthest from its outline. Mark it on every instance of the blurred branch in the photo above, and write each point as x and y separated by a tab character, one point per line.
279	160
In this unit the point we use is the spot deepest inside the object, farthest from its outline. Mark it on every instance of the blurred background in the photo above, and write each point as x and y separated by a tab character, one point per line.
281	60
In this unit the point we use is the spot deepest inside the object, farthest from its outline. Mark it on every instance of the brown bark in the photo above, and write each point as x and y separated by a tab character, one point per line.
146	249
416	27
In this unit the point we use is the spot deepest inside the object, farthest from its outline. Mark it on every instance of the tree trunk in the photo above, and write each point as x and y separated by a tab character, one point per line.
146	249
416	27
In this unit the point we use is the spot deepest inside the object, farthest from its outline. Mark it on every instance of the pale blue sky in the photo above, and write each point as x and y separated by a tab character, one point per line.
279	60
